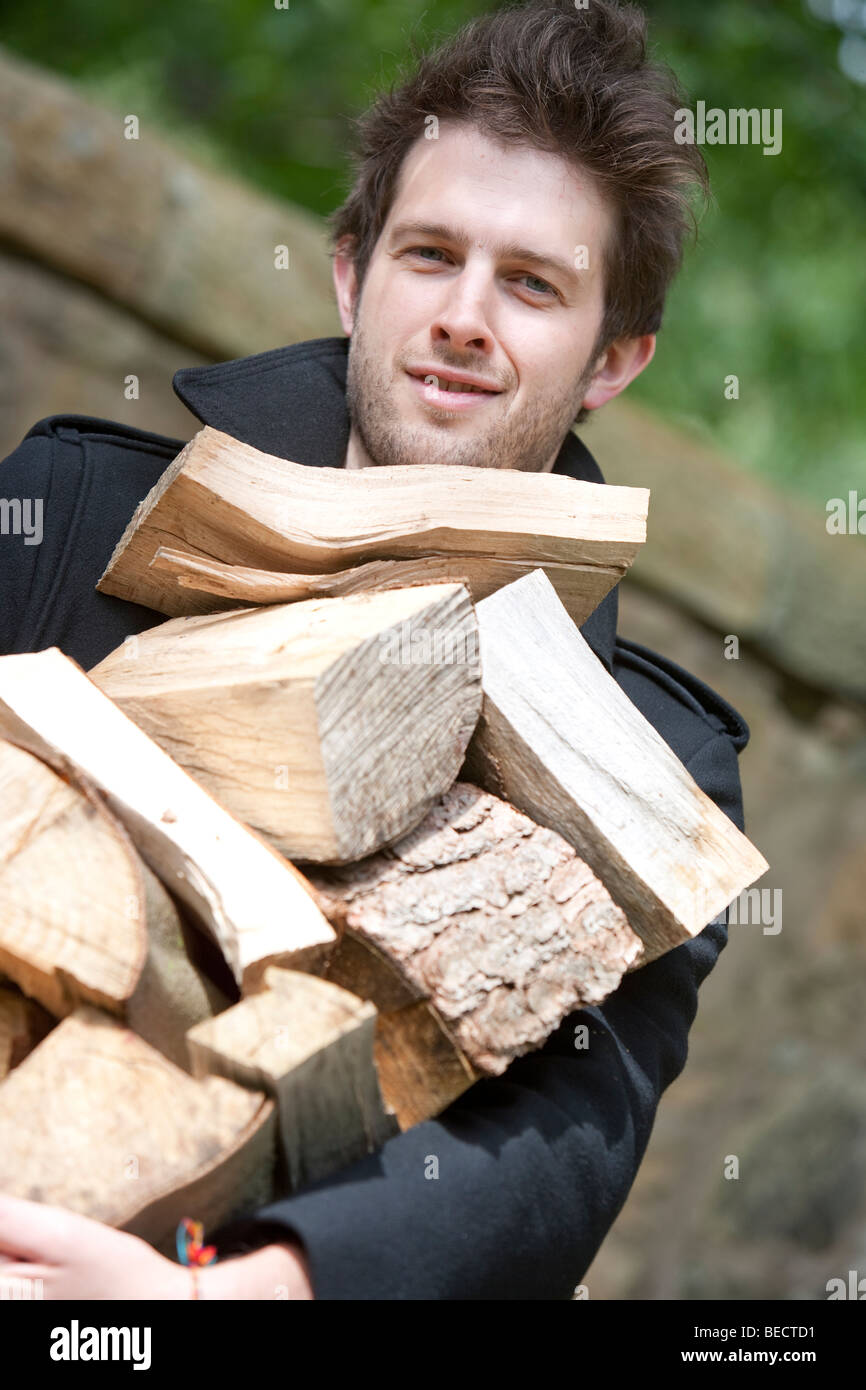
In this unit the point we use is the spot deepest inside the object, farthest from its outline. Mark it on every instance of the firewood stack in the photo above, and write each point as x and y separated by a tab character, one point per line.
356	827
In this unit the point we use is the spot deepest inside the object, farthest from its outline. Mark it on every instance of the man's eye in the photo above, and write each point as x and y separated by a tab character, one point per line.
538	286
421	250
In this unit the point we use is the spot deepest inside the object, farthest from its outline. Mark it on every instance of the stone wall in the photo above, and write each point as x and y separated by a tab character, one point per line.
776	1074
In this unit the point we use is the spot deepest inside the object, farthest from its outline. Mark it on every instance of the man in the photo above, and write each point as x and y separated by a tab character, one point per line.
500	268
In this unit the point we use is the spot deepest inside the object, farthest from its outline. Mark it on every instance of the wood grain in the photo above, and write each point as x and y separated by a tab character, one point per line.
223	500
560	739
97	1121
259	909
329	726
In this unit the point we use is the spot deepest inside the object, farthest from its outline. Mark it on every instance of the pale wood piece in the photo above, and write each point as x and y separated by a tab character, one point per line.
205	585
328	726
560	739
23	1023
82	918
309	1045
97	1121
224	500
258	907
72	913
492	919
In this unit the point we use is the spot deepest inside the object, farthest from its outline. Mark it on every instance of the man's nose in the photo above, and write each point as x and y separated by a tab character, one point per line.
463	319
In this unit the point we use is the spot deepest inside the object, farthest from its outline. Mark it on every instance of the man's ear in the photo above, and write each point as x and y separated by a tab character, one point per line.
345	281
619	364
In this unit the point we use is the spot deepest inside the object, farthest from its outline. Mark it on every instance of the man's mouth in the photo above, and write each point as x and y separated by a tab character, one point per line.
445	385
457	391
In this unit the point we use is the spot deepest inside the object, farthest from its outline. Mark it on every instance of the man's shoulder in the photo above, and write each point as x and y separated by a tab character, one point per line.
64	459
703	729
74	431
77	480
670	696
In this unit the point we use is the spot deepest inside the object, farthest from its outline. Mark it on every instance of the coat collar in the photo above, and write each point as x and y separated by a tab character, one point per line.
291	402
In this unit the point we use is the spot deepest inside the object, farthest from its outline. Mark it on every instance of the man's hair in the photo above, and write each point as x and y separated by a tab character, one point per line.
572	82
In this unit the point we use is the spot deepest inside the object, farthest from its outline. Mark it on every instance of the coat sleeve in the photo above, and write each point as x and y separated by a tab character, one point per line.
533	1166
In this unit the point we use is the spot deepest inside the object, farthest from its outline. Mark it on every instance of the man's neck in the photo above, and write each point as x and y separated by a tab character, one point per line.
356	454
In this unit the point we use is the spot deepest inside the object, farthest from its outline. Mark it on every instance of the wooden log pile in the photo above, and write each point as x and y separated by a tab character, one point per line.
360	824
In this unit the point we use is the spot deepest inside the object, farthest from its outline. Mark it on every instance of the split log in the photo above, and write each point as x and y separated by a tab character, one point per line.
97	1121
72	923
23	1023
223	500
309	1045
560	739
330	726
491	919
82	919
207	586
256	905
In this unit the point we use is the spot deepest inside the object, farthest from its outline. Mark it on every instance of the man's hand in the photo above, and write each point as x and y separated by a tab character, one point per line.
76	1258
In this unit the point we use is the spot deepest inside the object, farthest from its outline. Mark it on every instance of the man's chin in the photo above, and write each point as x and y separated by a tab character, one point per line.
448	454
426	445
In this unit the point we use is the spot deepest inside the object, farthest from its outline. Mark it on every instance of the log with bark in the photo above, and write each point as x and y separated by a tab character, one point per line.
491	919
259	909
560	738
222	500
329	726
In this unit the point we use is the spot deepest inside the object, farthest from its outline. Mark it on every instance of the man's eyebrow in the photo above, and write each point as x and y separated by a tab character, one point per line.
506	251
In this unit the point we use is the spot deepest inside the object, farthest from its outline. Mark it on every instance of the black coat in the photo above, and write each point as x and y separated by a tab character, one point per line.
533	1166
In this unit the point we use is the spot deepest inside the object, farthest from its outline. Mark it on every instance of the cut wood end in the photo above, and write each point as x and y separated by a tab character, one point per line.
73	1145
105	583
291	1019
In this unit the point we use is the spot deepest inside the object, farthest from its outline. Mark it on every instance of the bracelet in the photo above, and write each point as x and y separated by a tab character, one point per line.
192	1252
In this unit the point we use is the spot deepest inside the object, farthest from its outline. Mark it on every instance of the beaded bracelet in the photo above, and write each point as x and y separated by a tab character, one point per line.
191	1251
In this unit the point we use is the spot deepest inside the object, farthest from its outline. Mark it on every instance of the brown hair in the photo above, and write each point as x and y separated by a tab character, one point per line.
572	82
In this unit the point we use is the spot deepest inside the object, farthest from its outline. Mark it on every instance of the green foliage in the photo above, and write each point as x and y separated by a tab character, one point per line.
773	294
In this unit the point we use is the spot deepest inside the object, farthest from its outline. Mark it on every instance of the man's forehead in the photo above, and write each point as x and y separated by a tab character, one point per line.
468	178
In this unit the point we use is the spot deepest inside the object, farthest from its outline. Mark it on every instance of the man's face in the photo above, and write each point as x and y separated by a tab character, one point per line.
479	272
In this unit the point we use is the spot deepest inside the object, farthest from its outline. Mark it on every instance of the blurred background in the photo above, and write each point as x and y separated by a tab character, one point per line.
151	158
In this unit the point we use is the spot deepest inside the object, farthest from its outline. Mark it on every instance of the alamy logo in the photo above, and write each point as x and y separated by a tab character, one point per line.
414	644
76	1343
856	1287
752	907
738	126
13	1287
22	516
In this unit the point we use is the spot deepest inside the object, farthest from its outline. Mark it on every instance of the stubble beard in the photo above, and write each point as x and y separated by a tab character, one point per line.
526	442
